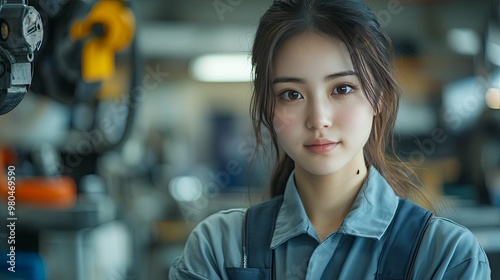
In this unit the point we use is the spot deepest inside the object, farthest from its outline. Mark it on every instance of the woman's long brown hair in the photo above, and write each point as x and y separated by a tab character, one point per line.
370	50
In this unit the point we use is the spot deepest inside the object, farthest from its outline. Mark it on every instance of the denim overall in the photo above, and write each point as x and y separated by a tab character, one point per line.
395	262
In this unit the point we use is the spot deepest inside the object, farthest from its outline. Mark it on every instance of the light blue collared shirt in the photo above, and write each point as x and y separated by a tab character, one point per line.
447	251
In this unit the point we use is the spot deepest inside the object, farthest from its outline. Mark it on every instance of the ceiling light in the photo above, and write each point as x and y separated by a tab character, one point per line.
464	41
185	188
222	68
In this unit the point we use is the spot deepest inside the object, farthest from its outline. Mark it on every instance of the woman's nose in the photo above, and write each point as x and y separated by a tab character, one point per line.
320	115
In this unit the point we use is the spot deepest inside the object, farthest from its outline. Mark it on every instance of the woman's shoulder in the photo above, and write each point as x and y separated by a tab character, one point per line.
220	228
212	245
445	231
449	249
226	221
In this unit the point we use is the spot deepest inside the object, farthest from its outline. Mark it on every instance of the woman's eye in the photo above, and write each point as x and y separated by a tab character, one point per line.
342	89
290	95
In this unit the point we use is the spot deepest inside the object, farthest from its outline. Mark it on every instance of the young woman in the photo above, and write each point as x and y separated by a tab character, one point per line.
326	94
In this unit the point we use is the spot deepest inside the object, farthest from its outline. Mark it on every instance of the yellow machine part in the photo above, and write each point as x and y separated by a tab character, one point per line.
98	54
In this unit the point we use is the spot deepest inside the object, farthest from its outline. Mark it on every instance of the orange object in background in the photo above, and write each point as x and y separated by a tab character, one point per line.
55	192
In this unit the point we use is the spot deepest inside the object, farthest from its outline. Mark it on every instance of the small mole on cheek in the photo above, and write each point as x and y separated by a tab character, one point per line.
357	172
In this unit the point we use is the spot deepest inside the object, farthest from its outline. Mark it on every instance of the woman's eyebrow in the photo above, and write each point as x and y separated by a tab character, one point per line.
340	74
302	81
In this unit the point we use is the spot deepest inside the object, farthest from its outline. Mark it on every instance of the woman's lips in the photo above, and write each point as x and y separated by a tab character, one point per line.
321	147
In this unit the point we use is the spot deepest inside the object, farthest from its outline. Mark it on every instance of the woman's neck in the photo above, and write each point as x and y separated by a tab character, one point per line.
327	199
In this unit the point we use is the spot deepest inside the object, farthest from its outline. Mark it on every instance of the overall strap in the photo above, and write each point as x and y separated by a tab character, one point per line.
258	229
337	261
399	251
405	234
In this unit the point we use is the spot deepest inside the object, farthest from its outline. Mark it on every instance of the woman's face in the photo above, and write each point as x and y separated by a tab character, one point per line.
322	116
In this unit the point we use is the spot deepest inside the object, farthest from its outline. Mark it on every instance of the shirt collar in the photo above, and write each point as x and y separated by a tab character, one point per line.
370	215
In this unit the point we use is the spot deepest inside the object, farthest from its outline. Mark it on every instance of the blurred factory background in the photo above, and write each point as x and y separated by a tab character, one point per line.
115	167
